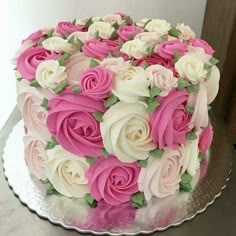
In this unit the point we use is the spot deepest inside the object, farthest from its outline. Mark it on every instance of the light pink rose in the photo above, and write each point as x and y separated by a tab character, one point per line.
130	22
112	180
71	121
75	66
162	78
149	38
167	49
112	19
29	60
29	101
202	44
67	27
36	36
169	122
198	101
116	64
100	48
126	31
161	177
205	139
36	156
96	82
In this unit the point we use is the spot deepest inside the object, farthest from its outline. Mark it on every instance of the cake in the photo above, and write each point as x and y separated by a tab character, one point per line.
116	110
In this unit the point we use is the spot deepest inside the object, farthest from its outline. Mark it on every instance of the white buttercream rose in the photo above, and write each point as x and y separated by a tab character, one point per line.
116	65
161	177
132	85
112	19
49	74
191	68
134	48
66	172
186	32
162	78
189	153
82	36
159	26
103	29
142	22
59	45
82	21
35	156
126	132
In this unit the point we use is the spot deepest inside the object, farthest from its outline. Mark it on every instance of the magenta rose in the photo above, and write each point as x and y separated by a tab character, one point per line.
153	60
96	82
167	49
29	60
36	36
100	48
70	120
67	27
170	121
126	31
202	44
112	180
205	139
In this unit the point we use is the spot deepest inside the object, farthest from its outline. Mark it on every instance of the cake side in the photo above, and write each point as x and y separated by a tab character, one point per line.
116	110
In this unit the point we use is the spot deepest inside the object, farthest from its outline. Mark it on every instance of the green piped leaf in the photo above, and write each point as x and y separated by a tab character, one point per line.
127	19
156	153
120	43
109	55
66	35
50	33
51	144
63	58
150	50
76	89
154	91
201	156
164	38
74	21
98	116
45	104
40	42
176	56
91	160
189	109
138	200
46	181
19	79
185	187
182	83
214	61
186	178
174	32
193	88
115	25
114	35
191	135
96	35
152	105
104	152
35	84
79	43
61	87
131	37
93	63
52	191
90	200
89	22
71	40
144	65
111	100
208	69
142	163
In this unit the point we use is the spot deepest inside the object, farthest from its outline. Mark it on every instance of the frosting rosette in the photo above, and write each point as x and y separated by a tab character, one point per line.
170	120
112	180
64	27
161	177
71	121
96	82
29	60
126	132
131	85
35	156
66	172
116	65
127	31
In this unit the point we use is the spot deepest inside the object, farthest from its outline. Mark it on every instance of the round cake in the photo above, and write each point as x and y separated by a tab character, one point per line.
116	111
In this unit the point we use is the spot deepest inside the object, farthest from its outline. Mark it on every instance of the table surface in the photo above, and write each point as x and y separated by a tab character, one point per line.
16	219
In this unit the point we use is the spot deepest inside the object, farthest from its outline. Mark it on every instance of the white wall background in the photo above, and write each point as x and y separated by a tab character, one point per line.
21	17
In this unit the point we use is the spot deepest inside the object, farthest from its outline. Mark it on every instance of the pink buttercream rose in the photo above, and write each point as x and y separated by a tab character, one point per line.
29	101
170	121
100	48
36	156
161	177
202	44
153	60
112	180
126	31
168	48
75	66
36	36
29	60
96	82
205	139
67	27
71	121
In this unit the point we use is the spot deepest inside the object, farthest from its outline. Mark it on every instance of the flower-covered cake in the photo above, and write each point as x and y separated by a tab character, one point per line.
116	110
